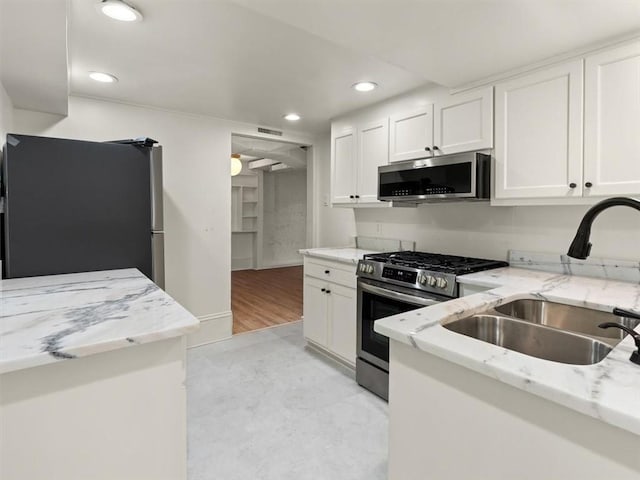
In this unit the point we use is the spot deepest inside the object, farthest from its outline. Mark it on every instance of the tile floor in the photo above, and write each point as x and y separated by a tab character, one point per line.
263	406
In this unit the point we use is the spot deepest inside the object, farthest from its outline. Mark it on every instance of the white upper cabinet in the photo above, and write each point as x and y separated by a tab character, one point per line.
411	134
343	166
464	122
373	152
538	147
612	122
357	152
457	123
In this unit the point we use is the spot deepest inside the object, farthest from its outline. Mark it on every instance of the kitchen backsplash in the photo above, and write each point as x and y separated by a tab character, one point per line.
624	270
384	244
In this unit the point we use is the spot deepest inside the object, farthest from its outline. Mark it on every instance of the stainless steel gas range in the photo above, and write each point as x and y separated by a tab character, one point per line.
392	283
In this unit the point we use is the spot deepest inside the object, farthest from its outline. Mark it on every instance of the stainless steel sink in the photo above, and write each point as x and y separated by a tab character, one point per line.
568	318
532	339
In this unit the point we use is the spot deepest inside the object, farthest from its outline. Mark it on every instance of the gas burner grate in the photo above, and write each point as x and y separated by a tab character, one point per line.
436	262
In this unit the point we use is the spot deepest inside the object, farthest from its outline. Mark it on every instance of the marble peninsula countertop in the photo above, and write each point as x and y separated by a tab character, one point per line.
608	390
340	254
60	317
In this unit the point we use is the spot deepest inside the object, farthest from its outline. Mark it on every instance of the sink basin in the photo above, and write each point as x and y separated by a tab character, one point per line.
532	339
568	318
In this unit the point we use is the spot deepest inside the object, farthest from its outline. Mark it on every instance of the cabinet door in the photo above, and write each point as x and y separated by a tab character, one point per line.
342	322
314	309
539	134
612	122
410	134
464	122
373	152
343	166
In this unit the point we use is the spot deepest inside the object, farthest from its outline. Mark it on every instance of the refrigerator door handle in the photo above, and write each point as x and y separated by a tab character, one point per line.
157	211
157	258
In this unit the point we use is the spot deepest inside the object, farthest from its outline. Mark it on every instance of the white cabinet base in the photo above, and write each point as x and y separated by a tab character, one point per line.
330	308
116	415
328	353
448	422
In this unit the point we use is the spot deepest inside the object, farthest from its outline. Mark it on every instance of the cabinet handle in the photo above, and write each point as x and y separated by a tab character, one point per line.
427	149
323	290
328	291
572	185
357	196
435	147
588	184
327	272
352	196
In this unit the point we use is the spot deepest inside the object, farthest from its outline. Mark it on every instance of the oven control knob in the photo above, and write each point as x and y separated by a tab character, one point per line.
441	282
370	269
422	280
431	281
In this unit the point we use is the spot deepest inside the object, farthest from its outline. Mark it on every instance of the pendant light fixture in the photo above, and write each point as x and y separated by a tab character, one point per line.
236	164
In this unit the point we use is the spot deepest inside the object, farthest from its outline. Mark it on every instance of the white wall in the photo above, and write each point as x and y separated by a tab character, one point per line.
6	115
468	228
285	217
484	231
197	189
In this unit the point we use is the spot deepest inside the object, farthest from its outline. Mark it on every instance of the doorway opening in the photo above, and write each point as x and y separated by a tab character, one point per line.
268	228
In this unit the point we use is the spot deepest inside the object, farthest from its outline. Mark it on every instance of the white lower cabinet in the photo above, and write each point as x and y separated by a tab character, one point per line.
315	311
342	322
330	307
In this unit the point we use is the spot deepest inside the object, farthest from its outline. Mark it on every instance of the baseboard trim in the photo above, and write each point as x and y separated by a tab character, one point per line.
329	354
213	327
297	263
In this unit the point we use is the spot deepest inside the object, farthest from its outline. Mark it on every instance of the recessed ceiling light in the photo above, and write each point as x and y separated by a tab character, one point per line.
292	117
103	77
119	10
364	86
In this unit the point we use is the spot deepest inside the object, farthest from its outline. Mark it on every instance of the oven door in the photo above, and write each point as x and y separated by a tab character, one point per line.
377	300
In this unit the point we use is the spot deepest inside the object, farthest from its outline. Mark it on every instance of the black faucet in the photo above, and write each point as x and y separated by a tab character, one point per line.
635	356
580	247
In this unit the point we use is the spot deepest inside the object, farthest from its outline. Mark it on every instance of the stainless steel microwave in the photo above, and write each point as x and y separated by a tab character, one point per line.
462	176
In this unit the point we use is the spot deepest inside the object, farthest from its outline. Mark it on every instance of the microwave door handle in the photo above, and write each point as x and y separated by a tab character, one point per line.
403	297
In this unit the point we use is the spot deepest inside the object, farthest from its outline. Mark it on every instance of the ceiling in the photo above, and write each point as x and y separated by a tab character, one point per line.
255	60
290	154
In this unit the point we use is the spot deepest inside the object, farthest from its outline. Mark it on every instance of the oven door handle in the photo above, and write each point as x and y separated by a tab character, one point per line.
403	297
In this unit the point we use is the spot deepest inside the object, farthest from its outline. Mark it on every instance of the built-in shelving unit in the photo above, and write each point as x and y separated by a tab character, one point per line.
244	203
245	215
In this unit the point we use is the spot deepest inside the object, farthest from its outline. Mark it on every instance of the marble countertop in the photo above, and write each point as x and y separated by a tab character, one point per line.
60	317
339	254
608	390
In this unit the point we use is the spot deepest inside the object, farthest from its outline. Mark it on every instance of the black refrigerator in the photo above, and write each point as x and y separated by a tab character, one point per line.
75	206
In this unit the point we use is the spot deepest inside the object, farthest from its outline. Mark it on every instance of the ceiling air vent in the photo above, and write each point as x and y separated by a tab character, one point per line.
269	132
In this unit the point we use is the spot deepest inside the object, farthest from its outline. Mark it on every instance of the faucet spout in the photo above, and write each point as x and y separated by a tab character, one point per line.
580	247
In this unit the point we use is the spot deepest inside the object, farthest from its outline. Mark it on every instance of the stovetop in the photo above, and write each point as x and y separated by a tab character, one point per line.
430	272
436	262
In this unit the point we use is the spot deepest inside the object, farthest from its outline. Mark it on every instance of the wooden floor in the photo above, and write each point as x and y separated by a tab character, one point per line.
264	298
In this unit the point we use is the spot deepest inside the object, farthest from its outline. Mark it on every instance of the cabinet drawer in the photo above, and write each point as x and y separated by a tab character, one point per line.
335	272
